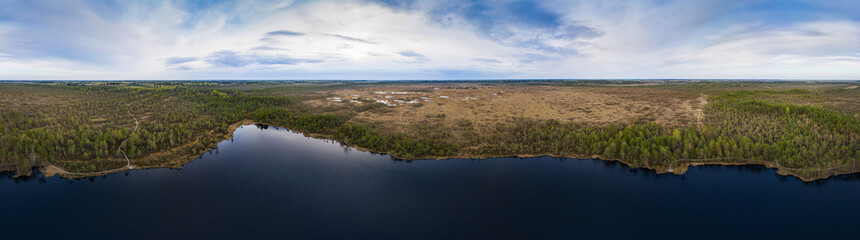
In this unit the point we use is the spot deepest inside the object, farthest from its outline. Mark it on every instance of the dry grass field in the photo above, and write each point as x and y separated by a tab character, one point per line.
24	97
490	105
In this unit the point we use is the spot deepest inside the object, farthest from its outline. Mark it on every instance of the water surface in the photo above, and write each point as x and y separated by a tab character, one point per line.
274	183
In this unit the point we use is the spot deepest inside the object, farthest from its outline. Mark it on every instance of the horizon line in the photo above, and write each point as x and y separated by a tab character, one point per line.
441	80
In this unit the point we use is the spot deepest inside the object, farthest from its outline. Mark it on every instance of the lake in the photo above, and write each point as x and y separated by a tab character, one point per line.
274	183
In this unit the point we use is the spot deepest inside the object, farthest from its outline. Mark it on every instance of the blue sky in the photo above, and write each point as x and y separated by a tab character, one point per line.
442	39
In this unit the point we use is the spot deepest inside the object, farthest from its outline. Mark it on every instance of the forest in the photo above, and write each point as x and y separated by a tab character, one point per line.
90	127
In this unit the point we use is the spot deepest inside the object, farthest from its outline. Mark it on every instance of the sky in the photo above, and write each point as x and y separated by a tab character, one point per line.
441	39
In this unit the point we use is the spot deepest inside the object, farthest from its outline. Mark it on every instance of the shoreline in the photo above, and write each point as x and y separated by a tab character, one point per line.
49	172
680	169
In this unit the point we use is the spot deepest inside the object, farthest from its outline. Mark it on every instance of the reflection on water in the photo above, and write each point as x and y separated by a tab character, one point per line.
272	183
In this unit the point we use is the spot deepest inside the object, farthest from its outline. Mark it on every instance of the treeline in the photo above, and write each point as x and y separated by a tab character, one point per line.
299	120
398	144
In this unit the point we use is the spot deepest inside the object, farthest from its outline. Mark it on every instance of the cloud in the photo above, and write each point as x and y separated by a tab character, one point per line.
267	48
404	4
178	60
283	33
414	55
528	23
532	58
233	59
350	38
69	30
487	60
402	39
228	58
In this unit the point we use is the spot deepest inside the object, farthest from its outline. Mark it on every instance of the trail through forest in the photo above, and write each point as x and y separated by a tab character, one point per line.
128	162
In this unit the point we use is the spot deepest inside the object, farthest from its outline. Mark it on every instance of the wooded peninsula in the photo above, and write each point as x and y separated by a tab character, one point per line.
807	129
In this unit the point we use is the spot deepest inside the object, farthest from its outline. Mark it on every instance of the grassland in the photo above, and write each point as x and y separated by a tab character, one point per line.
806	129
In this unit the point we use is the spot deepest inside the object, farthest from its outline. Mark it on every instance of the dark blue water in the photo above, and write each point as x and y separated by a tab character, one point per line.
273	183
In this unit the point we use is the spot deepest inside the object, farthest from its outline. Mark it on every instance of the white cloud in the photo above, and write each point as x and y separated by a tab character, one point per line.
696	39
354	39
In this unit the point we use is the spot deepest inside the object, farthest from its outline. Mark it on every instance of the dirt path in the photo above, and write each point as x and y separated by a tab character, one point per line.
136	124
128	162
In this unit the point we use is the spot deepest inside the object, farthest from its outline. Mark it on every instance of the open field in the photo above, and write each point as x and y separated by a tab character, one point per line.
28	96
487	104
806	129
